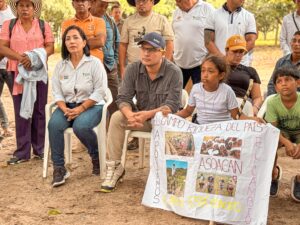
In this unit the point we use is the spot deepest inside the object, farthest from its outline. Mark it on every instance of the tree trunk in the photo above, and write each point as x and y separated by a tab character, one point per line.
265	35
276	34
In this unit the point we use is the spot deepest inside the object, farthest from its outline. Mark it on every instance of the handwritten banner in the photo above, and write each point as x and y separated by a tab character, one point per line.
218	171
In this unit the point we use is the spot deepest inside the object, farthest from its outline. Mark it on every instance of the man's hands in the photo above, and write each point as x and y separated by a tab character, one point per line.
137	119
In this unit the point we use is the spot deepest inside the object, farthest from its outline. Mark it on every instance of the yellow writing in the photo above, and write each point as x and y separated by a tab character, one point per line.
201	201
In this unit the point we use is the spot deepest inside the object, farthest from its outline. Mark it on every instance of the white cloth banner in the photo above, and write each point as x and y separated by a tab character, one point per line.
219	171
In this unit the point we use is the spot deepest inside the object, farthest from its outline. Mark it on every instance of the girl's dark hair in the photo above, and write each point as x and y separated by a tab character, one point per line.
220	63
286	71
64	51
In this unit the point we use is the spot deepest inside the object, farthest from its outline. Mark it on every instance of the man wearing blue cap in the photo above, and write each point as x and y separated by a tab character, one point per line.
156	83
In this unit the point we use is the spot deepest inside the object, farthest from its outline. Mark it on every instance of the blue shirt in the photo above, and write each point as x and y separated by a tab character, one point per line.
111	47
285	61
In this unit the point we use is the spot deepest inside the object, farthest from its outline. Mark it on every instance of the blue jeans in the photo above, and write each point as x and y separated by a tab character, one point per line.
83	128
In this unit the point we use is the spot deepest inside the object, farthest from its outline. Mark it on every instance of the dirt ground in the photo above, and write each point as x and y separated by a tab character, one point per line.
28	199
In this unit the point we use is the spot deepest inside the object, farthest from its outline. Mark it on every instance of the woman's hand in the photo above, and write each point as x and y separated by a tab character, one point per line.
71	114
25	61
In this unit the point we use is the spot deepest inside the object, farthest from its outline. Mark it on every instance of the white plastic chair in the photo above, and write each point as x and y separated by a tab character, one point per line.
263	108
100	130
142	135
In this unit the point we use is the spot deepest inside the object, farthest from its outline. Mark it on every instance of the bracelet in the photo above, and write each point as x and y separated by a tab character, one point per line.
83	107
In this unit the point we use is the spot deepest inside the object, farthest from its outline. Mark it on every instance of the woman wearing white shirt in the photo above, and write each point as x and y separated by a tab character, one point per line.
78	84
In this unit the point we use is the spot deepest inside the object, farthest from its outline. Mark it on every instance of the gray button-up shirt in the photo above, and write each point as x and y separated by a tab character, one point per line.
165	89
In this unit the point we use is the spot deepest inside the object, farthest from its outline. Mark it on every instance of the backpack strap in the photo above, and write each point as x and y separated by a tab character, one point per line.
13	22
42	27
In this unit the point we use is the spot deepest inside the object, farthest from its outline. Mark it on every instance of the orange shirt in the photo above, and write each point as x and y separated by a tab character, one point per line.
92	26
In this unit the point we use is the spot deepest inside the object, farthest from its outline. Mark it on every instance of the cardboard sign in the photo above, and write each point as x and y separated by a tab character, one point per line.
219	171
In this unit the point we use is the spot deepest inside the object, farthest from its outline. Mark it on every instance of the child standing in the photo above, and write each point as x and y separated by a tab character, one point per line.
214	100
283	111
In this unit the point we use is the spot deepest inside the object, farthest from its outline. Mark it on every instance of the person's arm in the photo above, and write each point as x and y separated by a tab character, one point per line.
98	41
169	50
250	41
8	52
186	112
49	47
122	58
256	98
209	40
289	146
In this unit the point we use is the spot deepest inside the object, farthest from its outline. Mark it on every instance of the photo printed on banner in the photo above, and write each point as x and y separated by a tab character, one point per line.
216	184
229	147
179	143
176	176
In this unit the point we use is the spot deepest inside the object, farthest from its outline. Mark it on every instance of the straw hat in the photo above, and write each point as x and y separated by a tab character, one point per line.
37	7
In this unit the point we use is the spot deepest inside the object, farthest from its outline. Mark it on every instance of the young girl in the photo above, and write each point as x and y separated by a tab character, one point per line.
214	100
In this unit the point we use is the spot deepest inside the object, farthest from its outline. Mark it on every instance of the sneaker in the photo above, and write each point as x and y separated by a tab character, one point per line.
133	144
275	183
114	174
38	156
16	160
96	167
60	174
295	190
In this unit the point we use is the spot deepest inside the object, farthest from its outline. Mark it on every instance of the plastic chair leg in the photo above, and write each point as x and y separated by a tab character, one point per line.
141	152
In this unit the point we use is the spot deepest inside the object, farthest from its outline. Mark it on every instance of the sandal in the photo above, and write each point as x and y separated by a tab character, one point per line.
275	183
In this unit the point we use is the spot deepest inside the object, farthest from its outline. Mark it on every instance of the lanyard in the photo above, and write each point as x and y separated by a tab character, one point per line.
295	22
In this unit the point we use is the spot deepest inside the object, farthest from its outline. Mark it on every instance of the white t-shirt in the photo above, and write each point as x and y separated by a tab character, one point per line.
213	106
288	28
75	85
5	15
225	24
188	27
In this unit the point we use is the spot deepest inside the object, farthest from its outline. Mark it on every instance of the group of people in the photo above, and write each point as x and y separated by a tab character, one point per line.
155	61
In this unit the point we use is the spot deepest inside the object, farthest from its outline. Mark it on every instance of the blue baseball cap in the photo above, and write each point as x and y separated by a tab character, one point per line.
154	39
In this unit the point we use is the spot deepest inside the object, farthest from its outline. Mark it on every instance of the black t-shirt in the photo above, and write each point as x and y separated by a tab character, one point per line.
238	79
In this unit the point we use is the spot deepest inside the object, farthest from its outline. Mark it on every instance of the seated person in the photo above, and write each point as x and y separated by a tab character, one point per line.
156	83
290	60
214	100
239	76
283	111
79	83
